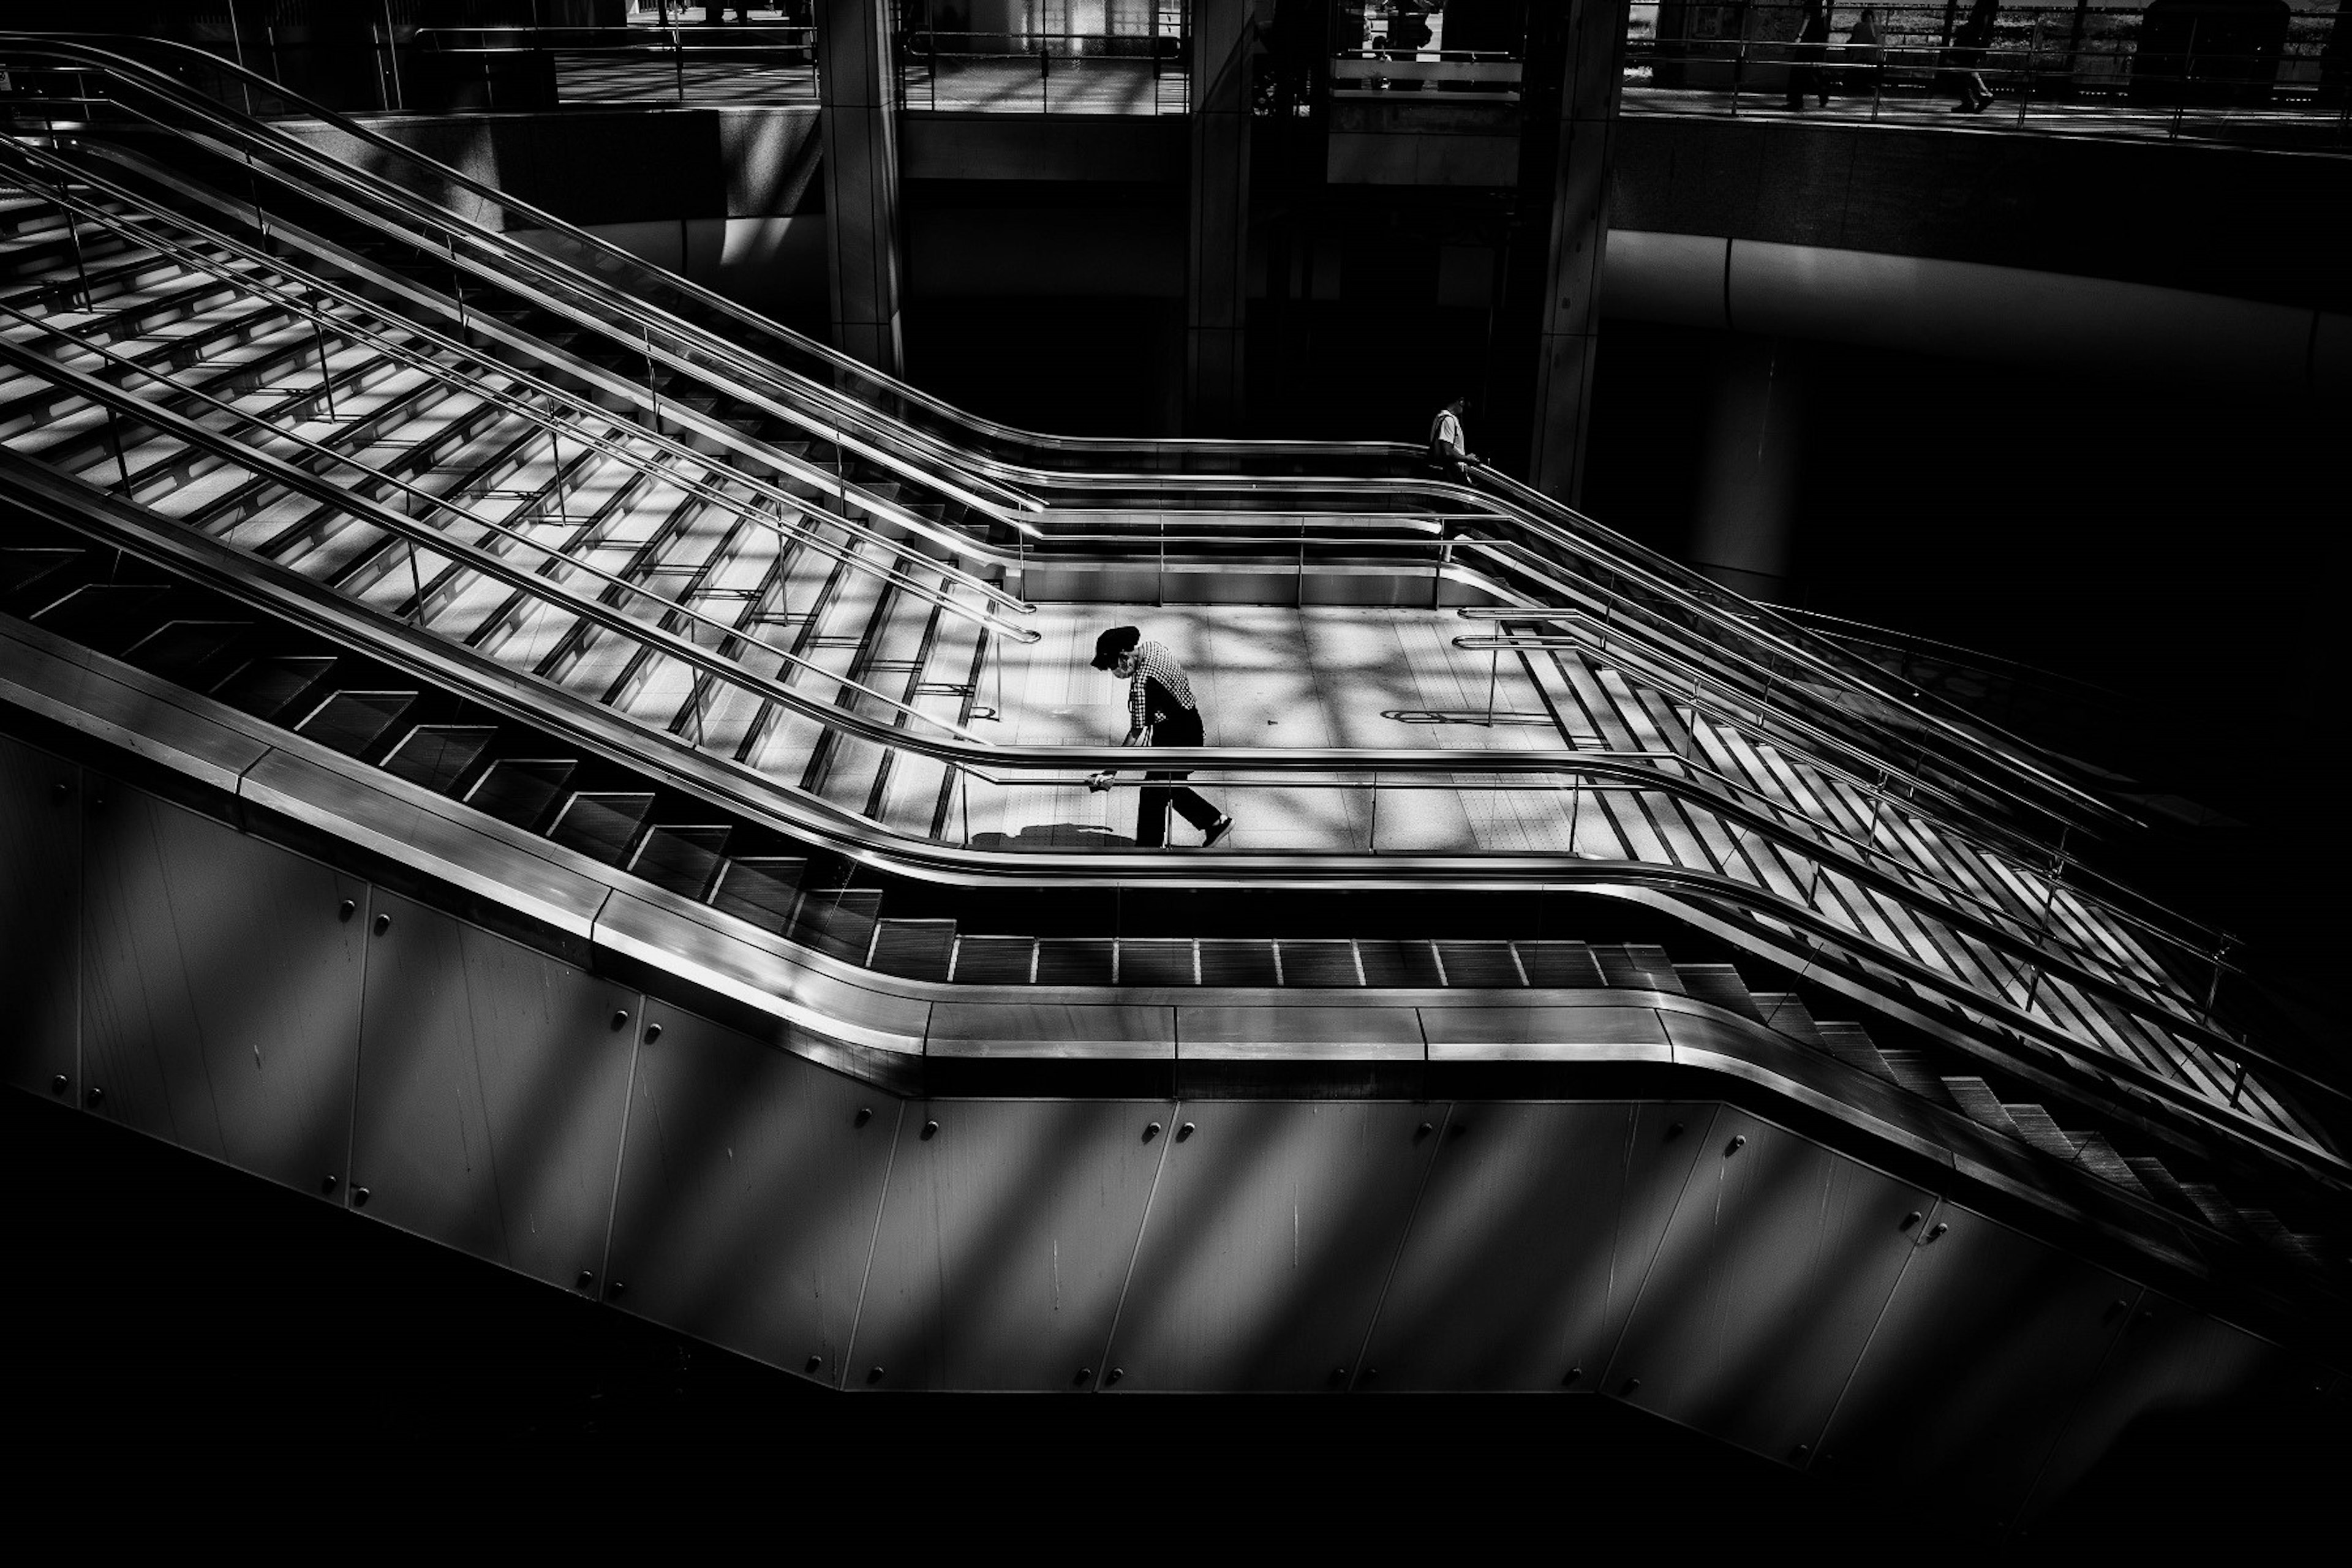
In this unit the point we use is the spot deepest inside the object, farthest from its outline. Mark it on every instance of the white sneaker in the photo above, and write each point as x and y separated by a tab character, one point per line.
1217	830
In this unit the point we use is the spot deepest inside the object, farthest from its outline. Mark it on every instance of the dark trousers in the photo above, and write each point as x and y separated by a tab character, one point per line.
1153	800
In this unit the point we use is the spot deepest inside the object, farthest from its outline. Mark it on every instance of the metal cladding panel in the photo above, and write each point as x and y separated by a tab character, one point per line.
491	1087
2170	1357
40	916
1529	1242
220	988
1271	1233
1775	1267
1004	1242
748	1195
1986	1345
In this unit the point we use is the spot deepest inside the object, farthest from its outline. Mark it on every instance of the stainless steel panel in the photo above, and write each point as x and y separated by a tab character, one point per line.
1986	1344
491	1086
1273	1227
748	1191
1299	1033
40	917
220	988
1032	1030
1776	1264
1004	1241
95	696
1534	1235
1544	1034
2170	1357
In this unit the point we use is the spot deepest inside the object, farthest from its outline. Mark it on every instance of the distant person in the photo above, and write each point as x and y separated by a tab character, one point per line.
1969	48
1864	44
1160	712
1807	70
1449	449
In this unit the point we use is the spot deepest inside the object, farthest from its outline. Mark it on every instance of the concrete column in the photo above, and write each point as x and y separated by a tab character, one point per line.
1743	527
1551	316
1217	295
858	98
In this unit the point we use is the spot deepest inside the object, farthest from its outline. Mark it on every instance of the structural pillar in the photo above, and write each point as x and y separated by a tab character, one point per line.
858	93
1546	330
1216	294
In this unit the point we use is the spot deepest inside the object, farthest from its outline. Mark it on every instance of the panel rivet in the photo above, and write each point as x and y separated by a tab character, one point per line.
653	1033
814	1361
1938	1229
1674	1132
1150	1131
1799	1451
587	1278
347	909
1909	1220
1183	1132
382	924
329	1183
1421	1131
873	1374
1370	1373
96	1096
1116	1373
930	1129
1338	1375
1575	1375
864	1114
359	1197
614	1288
58	1084
620	1017
1086	1374
60	792
1631	1385
1735	1146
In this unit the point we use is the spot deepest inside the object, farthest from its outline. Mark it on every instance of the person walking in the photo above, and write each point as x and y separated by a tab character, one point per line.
1864	44
1970	45
1160	712
1808	71
1448	447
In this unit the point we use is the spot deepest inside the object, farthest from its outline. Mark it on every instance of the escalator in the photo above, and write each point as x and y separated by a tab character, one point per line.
646	671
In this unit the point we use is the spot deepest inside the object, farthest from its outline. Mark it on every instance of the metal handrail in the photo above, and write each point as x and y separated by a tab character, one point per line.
305	304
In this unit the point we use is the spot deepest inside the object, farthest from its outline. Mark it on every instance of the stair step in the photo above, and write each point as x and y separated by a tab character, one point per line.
519	790
97	613
914	950
268	687
189	652
1977	1101
1911	1071
1236	960
436	756
1786	1014
840	921
1720	984
1481	965
2036	1127
681	857
2099	1157
1852	1045
353	721
1402	964
1639	966
994	960
762	889
1319	963
1074	960
1156	960
1559	965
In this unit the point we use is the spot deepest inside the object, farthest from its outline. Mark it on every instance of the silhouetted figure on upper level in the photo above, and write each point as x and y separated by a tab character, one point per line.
1807	70
1969	48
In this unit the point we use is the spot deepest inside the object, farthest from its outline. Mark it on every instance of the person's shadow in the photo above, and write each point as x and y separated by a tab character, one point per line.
1054	836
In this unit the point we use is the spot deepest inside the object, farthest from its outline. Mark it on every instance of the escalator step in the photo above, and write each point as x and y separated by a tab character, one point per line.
915	950
1786	1014
437	755
681	859
351	722
1720	984
1637	966
1483	966
22	570
98	613
1319	963
1559	965
1913	1070
188	651
1981	1105
762	891
1852	1045
840	924
1154	961
268	687
995	960
1412	964
2158	1179
2036	1126
1235	962
2099	1157
601	825
519	789
2214	1204
1074	960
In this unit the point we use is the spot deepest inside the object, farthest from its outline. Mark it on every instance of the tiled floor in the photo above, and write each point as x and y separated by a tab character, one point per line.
1272	676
